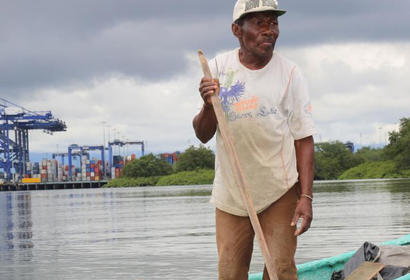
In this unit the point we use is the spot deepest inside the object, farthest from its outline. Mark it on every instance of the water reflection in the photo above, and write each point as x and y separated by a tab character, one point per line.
16	227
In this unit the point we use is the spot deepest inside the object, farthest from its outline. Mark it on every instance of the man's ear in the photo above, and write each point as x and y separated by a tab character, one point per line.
237	30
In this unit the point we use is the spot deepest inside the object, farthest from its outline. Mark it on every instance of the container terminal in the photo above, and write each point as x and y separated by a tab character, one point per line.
17	172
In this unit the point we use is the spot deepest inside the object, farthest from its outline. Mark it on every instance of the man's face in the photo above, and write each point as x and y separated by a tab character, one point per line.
259	32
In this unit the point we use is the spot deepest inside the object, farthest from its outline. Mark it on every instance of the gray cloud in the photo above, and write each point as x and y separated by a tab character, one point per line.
58	43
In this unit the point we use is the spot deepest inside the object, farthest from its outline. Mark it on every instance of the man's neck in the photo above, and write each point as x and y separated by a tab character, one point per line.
252	61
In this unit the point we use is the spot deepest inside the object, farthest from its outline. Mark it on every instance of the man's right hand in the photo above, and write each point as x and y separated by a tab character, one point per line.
205	122
207	88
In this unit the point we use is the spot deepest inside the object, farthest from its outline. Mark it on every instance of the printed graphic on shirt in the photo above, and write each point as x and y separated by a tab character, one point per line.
308	109
237	105
230	95
265	111
246	105
229	78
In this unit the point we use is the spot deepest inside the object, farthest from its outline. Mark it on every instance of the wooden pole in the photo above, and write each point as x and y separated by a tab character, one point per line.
238	173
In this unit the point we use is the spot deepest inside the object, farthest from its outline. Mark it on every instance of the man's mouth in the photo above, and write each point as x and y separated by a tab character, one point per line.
266	44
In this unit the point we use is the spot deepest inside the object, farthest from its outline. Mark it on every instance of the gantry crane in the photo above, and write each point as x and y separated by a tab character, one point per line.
15	123
120	143
75	149
74	154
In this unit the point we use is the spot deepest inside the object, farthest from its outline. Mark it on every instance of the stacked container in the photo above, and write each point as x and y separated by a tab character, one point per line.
36	170
29	170
51	171
115	172
47	170
84	162
60	174
171	158
32	170
77	174
52	167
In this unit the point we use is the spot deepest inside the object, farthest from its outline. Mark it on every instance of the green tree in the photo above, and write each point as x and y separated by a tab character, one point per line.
398	148
146	166
196	158
332	159
369	154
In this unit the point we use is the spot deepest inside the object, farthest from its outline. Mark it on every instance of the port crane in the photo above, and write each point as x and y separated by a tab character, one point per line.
120	143
62	156
15	124
75	149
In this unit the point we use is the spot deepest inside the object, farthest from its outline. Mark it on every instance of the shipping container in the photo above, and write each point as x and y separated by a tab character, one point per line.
31	180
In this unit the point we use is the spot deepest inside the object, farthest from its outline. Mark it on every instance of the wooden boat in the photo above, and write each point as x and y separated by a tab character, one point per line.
323	269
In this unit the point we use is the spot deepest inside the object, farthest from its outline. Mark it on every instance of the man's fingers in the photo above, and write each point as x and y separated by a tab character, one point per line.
303	227
207	90
208	83
206	93
295	220
204	80
207	87
298	232
303	211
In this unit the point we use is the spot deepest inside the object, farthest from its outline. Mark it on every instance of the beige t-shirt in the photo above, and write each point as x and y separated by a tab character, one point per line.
266	110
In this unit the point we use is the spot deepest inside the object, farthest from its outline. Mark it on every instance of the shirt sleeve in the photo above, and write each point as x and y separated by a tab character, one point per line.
299	107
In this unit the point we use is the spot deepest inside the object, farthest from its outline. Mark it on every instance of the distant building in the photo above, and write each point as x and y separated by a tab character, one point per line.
350	146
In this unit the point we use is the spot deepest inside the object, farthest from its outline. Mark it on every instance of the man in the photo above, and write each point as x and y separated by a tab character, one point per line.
268	111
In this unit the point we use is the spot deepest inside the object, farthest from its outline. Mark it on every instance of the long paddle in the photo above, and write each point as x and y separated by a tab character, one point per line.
238	173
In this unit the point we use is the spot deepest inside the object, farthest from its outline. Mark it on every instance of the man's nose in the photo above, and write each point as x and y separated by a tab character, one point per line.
270	30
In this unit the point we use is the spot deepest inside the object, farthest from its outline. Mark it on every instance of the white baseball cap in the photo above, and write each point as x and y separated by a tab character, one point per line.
243	7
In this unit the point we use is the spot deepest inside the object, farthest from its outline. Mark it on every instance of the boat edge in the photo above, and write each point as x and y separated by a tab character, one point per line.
306	270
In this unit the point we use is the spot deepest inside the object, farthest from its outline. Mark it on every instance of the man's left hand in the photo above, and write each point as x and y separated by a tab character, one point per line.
303	211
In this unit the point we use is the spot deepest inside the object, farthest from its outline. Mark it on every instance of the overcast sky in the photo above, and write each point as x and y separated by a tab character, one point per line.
133	65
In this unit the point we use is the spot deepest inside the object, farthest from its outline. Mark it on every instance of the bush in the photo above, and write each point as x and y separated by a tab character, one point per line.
196	177
147	166
332	159
196	158
370	154
405	173
372	170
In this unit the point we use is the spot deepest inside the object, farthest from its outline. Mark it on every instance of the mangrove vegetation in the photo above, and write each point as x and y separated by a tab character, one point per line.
333	160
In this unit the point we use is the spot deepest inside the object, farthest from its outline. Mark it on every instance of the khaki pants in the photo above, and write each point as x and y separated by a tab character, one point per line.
234	238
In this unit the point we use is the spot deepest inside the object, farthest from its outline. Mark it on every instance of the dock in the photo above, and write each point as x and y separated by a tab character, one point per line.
52	185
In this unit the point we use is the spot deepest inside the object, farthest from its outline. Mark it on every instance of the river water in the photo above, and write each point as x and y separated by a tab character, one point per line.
168	232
